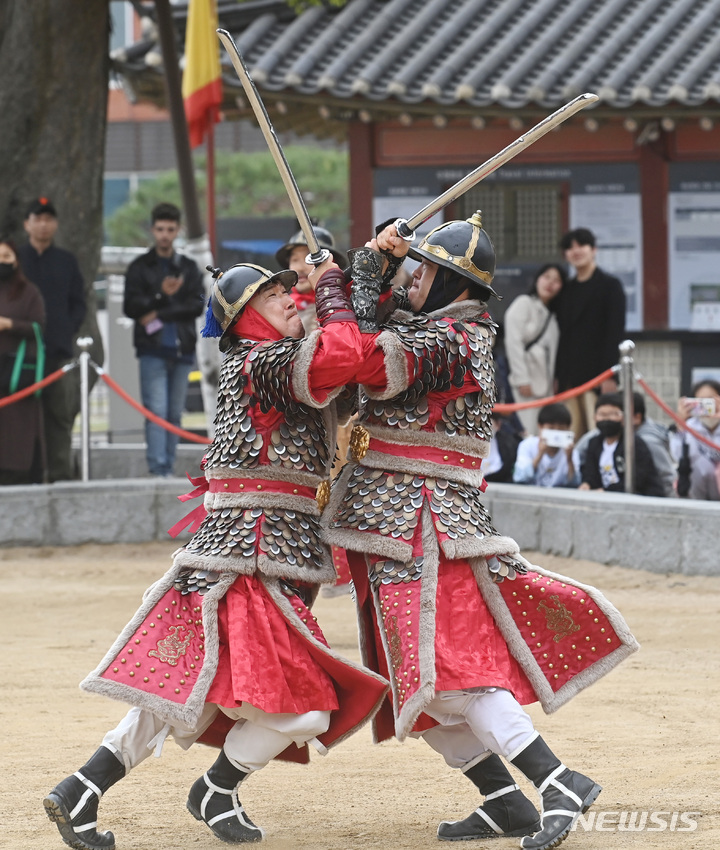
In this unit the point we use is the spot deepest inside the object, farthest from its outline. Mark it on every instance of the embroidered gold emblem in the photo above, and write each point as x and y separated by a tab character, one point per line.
396	654
559	619
322	494
359	442
171	648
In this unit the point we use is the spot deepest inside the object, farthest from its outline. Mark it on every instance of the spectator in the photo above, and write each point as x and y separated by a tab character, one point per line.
540	460
604	465
591	316
698	464
655	437
56	274
531	341
503	450
292	256
164	294
21	438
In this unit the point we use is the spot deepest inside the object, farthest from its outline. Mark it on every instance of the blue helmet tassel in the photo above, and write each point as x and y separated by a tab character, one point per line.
212	326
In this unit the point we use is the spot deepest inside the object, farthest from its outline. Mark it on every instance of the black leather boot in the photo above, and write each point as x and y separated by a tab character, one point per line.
506	811
565	794
72	805
214	800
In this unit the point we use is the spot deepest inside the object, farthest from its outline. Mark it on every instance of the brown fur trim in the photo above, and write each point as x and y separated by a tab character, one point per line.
286	501
270	473
414	707
475	547
462	311
187	714
301	373
550	700
396	367
217	563
281	569
285	606
472	446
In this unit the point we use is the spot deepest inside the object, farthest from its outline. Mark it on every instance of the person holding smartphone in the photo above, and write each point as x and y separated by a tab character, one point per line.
549	459
698	463
164	294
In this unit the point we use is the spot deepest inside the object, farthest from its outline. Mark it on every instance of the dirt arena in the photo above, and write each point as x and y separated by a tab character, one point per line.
648	732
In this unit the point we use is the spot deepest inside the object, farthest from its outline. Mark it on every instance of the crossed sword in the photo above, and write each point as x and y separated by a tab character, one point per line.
405	227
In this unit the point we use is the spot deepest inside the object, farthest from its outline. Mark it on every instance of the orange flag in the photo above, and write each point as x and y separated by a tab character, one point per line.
202	84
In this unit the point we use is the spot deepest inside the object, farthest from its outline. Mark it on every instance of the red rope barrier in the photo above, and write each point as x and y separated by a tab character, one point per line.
541	402
51	378
195	438
678	419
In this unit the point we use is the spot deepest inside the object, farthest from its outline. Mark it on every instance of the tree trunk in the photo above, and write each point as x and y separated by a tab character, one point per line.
53	103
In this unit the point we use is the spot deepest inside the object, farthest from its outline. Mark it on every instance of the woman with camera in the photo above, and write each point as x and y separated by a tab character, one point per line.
698	463
22	317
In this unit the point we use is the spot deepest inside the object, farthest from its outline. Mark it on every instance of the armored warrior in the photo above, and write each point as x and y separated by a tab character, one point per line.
224	648
465	629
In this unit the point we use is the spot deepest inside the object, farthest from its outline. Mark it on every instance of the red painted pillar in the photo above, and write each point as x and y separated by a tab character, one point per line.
361	146
654	188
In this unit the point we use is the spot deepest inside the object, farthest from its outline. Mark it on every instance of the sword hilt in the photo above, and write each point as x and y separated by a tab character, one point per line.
403	230
317	258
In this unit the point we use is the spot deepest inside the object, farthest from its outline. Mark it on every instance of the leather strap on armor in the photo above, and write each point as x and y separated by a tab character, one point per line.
331	299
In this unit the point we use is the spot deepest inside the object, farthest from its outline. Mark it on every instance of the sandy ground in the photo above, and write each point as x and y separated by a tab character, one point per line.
648	732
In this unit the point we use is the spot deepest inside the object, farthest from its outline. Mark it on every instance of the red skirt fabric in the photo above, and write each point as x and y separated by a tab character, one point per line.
263	660
470	651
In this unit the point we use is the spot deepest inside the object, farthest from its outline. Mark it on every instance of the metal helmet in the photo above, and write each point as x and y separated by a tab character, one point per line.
461	246
299	240
233	289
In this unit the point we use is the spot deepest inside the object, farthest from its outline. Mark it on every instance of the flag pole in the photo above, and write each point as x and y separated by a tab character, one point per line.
210	195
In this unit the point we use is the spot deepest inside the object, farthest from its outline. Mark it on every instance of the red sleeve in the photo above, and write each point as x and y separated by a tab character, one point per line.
343	356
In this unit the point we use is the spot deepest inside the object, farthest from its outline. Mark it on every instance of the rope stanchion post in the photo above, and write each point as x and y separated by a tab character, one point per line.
626	376
84	344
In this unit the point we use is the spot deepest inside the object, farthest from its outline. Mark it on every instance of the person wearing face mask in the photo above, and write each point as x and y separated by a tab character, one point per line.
698	463
604	465
224	648
21	436
441	594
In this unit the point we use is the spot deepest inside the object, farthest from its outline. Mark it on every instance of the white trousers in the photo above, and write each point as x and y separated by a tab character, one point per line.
476	723
255	739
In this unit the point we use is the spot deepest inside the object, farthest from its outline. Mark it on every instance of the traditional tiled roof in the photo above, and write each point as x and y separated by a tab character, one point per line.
470	57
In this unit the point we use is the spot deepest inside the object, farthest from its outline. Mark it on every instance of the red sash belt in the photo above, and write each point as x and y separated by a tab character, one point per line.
259	485
441	456
193	520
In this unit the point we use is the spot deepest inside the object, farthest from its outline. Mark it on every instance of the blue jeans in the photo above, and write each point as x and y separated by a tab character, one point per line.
163	386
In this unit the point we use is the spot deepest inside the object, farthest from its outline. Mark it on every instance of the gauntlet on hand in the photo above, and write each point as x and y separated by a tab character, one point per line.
367	278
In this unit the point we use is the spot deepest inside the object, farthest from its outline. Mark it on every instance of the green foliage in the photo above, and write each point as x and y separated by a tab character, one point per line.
246	185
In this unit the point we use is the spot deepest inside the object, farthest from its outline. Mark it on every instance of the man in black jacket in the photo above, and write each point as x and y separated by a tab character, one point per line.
57	275
164	294
591	315
604	464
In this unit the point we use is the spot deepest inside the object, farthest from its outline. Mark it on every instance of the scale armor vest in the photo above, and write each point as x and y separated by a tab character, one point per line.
299	441
445	349
257	378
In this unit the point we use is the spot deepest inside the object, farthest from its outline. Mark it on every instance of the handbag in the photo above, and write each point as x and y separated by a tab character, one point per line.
17	372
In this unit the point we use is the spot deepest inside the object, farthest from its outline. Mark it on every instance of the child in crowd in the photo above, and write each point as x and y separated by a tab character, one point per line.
604	465
543	460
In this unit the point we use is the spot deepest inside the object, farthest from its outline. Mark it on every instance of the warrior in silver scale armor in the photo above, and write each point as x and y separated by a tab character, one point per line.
224	648
465	629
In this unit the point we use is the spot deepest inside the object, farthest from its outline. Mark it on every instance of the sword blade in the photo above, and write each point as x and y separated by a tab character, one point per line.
317	255
506	154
